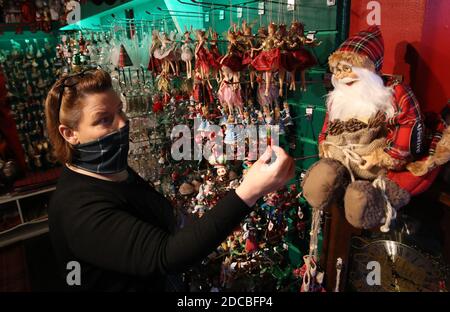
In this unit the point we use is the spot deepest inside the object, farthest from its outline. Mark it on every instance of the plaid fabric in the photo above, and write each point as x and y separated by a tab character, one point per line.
368	42
400	126
435	126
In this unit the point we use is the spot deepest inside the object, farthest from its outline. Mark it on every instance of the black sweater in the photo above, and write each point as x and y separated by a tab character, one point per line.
122	233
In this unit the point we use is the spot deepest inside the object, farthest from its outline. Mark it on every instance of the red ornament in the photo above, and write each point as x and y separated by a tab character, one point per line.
28	11
175	176
157	107
124	58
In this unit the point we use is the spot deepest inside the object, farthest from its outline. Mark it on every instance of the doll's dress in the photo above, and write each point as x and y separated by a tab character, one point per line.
215	56
304	58
269	100
186	51
234	58
165	51
269	58
202	93
229	95
214	50
287	59
154	65
204	59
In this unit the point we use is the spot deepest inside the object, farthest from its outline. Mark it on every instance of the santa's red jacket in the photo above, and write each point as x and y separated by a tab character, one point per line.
407	139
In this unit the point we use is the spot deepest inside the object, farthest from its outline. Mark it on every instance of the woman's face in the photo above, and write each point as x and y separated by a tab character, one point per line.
101	114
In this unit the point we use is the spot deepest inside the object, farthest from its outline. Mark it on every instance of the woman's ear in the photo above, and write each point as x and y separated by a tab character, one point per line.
69	135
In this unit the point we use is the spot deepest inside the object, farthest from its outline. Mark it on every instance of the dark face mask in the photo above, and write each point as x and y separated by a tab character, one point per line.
105	155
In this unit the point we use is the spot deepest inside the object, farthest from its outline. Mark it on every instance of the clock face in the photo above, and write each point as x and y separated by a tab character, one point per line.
389	266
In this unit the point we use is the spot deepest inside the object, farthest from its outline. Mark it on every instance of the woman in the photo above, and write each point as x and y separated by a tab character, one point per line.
107	218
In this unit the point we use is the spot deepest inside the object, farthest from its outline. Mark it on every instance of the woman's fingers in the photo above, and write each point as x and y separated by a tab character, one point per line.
263	178
265	157
282	159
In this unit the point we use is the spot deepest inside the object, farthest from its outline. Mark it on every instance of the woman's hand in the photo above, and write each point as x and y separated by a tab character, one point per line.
263	178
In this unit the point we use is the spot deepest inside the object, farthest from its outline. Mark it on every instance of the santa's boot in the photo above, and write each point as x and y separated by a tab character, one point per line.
325	181
365	204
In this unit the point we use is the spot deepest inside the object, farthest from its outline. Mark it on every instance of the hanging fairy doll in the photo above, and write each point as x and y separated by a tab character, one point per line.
203	58
287	61
154	65
175	38
231	98
248	43
187	53
303	58
202	92
232	61
214	50
269	100
165	53
268	60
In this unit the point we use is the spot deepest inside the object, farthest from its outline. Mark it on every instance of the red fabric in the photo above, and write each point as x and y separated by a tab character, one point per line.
28	12
154	65
250	245
157	107
288	61
215	56
304	59
435	126
409	182
267	60
246	59
323	132
369	43
8	126
215	51
202	94
233	62
407	113
203	59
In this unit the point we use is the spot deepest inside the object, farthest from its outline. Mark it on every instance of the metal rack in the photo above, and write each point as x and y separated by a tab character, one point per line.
25	229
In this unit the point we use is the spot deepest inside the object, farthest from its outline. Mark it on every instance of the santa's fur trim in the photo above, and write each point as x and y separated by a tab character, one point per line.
353	58
440	157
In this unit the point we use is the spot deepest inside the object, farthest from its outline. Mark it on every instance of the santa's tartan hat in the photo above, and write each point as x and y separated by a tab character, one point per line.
365	49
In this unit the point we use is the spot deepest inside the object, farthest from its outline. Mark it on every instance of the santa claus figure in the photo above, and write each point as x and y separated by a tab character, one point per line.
376	147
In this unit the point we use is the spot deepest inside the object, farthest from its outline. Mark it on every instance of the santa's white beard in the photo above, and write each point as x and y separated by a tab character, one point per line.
361	100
